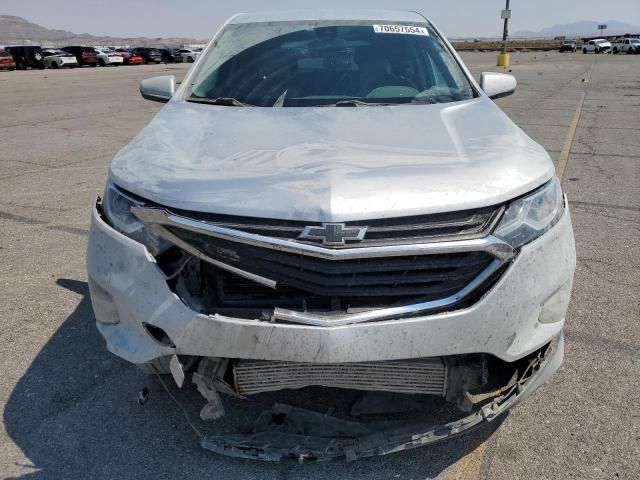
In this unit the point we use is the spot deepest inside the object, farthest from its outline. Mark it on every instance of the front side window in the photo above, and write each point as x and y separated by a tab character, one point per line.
299	64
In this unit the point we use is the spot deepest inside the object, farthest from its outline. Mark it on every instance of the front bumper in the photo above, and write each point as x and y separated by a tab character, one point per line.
523	312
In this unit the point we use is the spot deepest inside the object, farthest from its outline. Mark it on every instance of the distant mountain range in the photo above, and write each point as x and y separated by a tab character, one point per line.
579	29
17	30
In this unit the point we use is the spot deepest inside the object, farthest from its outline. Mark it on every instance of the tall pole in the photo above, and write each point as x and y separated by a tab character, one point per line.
503	58
505	33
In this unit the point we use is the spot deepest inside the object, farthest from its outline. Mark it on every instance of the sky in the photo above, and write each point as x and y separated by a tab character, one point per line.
201	18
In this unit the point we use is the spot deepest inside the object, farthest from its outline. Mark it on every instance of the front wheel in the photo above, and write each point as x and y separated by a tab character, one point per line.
101	62
55	65
584	50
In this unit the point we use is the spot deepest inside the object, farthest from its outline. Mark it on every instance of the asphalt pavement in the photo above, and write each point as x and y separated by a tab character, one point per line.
69	408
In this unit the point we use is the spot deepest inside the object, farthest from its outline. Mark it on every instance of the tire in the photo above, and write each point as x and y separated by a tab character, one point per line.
615	51
11	69
159	366
55	65
630	51
92	65
189	60
584	50
146	61
101	62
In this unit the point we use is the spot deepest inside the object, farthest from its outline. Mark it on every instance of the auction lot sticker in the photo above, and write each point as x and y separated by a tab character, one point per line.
402	29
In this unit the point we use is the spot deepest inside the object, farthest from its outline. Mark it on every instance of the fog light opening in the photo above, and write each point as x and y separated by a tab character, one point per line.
555	308
159	335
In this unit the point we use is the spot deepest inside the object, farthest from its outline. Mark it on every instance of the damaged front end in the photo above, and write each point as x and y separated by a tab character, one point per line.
381	331
389	414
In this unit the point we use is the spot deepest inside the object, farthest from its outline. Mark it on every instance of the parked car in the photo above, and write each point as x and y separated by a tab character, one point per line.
628	45
407	237
109	58
26	56
6	61
187	55
84	55
148	54
169	55
130	58
568	46
59	59
599	45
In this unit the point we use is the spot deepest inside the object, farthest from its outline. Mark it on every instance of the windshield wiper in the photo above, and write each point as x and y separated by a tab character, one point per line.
223	101
356	103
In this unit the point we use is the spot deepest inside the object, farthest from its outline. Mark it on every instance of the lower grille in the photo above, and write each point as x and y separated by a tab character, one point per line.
424	376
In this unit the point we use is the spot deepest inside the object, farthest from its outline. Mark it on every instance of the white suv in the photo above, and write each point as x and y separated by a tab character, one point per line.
599	45
334	201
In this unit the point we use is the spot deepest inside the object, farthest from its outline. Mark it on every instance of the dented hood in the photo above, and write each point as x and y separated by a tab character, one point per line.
331	164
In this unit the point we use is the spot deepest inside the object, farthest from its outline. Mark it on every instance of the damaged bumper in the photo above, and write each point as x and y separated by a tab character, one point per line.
290	432
520	314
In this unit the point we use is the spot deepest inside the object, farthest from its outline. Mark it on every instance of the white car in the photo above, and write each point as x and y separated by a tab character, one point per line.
109	58
188	55
331	199
58	59
599	45
628	46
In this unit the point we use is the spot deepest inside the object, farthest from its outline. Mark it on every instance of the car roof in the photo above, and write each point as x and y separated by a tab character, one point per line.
332	14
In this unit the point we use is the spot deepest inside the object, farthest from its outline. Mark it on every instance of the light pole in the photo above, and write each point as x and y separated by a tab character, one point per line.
503	58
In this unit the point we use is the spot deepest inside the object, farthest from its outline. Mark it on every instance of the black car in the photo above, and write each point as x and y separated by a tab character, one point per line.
169	56
568	47
84	55
26	56
149	55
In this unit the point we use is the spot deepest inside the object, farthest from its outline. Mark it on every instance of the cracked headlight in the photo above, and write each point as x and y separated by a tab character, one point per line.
117	209
530	217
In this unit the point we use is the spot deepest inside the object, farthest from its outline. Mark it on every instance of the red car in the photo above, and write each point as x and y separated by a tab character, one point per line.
130	58
84	55
134	59
7	62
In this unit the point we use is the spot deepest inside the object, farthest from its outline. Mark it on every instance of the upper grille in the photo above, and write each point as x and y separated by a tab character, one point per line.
391	231
427	276
405	266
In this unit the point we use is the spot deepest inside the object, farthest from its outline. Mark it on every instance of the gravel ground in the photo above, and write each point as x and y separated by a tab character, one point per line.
69	407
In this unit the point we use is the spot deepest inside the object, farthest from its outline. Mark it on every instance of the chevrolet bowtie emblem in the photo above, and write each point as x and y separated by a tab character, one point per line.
334	234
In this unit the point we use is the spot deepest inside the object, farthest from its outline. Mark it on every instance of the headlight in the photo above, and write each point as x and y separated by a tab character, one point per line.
117	208
528	218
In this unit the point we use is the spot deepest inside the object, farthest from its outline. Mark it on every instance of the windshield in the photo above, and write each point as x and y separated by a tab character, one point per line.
329	63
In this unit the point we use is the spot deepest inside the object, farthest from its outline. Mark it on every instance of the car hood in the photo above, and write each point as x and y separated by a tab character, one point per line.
331	164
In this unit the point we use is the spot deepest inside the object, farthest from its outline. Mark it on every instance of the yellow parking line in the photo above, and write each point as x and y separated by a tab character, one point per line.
568	143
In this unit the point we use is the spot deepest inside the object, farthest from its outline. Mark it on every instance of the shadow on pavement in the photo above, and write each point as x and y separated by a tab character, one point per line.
74	414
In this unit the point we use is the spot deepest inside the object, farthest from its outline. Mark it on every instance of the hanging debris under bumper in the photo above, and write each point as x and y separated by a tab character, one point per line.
287	432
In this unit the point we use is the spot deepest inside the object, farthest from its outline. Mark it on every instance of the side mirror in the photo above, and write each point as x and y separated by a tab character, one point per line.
498	85
158	89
